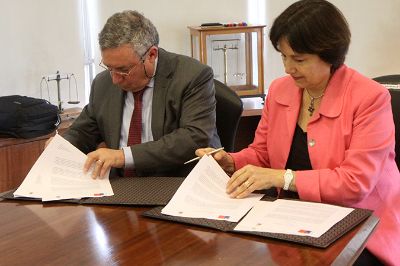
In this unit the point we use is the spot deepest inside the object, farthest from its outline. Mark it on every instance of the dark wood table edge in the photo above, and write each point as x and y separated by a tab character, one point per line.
350	252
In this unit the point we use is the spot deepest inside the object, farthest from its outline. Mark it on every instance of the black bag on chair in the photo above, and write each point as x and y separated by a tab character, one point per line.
27	117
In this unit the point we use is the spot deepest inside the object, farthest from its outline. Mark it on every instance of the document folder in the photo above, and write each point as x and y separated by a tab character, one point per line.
128	191
157	191
338	230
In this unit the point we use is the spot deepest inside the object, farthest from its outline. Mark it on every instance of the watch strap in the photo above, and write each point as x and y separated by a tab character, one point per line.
288	177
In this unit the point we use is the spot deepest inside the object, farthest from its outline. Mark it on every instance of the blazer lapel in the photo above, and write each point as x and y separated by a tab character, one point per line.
332	102
162	79
290	101
116	105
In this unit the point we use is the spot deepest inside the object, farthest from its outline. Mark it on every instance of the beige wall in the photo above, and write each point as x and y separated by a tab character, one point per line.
38	38
375	44
42	36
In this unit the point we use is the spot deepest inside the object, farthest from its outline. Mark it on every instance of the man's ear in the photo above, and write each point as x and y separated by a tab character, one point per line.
153	53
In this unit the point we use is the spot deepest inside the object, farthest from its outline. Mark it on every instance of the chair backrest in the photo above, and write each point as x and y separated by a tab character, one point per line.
395	93
396	117
388	79
229	110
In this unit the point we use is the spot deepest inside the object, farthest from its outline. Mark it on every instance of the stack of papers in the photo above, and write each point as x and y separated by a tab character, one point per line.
58	174
203	195
292	217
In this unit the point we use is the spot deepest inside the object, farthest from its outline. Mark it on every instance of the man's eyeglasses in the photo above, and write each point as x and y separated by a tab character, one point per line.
127	72
120	73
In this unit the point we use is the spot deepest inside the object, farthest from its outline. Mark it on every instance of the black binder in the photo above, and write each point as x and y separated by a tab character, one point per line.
157	191
128	191
335	232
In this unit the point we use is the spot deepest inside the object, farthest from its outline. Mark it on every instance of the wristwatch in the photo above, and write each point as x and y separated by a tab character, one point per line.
288	177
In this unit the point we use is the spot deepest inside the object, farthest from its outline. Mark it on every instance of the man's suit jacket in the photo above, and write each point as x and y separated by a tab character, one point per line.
351	148
183	116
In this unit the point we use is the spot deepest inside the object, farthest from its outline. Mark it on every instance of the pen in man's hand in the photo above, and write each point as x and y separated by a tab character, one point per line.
208	153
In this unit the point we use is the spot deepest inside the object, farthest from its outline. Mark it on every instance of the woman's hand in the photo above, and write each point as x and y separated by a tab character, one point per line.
222	157
250	178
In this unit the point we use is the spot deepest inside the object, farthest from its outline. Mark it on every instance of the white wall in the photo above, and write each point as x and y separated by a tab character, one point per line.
38	38
42	36
173	16
375	43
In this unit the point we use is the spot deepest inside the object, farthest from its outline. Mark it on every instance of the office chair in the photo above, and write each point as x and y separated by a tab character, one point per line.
229	109
388	79
395	93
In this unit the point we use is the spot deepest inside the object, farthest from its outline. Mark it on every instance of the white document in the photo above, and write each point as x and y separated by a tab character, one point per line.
203	195
58	174
292	217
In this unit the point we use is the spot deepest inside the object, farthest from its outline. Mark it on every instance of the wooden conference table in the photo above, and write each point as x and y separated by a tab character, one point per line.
32	233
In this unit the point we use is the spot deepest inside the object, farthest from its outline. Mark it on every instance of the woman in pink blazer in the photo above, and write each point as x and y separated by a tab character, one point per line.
326	133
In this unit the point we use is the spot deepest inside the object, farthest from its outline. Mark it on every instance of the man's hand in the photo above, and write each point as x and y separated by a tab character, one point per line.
104	159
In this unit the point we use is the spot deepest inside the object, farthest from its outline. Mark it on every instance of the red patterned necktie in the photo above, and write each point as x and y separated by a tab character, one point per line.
135	127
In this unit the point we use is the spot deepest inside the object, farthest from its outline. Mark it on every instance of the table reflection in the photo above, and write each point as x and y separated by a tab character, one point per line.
57	233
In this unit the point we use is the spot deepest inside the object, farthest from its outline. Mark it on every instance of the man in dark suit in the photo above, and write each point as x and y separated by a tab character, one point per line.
177	110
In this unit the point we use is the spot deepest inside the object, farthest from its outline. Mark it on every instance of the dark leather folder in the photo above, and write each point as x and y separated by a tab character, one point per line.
157	191
338	230
128	191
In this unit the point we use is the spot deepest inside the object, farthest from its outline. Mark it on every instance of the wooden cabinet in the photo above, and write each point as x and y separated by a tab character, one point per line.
17	156
234	53
16	159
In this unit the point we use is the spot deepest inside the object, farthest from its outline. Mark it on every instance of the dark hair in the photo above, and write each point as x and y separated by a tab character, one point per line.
314	27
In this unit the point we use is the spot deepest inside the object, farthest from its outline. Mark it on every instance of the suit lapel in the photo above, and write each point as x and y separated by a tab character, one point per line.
116	105
290	100
162	80
332	102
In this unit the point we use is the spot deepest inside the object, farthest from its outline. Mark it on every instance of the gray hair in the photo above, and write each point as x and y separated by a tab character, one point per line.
129	27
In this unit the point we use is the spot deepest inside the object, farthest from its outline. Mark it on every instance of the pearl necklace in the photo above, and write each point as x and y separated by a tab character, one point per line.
311	108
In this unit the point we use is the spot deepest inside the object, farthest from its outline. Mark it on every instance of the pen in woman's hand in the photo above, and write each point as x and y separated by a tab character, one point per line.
208	153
